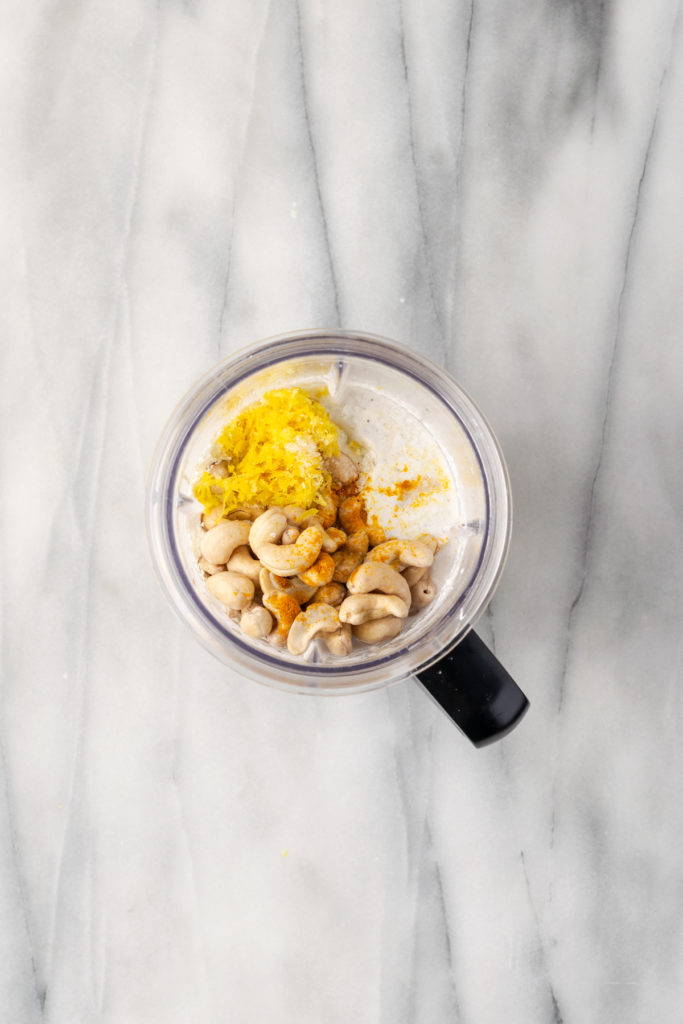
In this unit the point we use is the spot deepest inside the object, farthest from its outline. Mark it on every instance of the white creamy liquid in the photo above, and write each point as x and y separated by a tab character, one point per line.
407	487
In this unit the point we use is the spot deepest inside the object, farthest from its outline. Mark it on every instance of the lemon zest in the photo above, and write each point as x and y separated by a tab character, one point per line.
275	450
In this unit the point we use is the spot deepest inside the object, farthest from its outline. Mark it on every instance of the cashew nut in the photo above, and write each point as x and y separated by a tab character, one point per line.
320	572
340	642
292	559
267	529
330	593
341	468
220	469
352	519
233	590
294	513
359	608
256	621
290	535
328	513
422	593
414	573
319	618
350	555
271	583
351	514
431	542
242	562
209	568
406	552
285	609
212	518
333	539
376	630
376	533
250	512
219	543
378	576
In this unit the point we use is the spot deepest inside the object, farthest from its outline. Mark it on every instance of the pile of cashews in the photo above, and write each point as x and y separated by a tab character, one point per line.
288	577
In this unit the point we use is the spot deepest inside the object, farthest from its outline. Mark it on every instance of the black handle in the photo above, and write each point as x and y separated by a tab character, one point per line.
472	686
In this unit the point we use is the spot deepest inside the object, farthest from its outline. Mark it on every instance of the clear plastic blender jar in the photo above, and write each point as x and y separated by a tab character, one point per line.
391	399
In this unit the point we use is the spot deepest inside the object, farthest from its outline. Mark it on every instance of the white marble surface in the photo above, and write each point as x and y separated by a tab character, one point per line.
499	185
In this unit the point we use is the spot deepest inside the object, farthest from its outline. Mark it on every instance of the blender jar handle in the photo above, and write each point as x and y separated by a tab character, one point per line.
472	686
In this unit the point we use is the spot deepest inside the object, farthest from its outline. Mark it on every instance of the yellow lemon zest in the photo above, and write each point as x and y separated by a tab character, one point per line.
275	451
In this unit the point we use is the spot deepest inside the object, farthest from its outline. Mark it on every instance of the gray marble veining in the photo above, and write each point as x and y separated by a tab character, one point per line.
501	187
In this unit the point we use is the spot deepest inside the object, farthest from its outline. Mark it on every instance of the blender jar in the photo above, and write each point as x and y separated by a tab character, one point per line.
411	416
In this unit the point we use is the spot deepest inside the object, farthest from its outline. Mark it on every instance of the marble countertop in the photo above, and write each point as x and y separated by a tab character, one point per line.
499	186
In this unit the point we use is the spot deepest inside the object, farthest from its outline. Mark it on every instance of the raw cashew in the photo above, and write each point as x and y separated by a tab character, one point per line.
352	519
271	583
414	573
294	513
330	593
378	576
220	469
376	630
359	608
350	556
328	513
267	529
209	568
406	552
319	618
320	572
422	593
431	542
341	468
283	559
250	512
292	559
233	590
333	539
242	562
340	642
219	543
285	609
256	621
212	518
351	514
290	535
376	534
